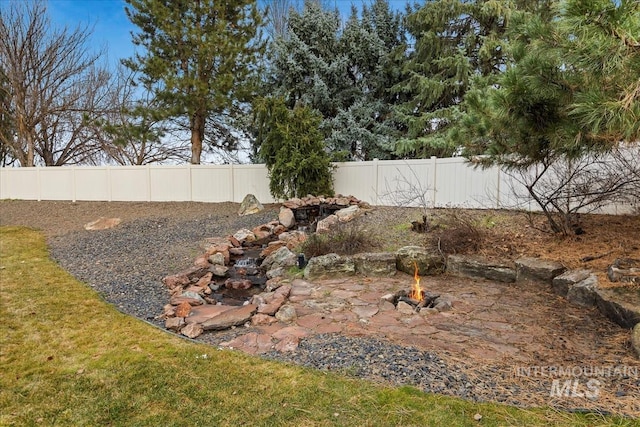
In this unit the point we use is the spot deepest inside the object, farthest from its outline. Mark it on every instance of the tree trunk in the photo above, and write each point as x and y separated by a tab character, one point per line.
197	135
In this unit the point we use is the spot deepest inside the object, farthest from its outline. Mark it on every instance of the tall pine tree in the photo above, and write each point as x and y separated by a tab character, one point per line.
573	87
197	56
458	44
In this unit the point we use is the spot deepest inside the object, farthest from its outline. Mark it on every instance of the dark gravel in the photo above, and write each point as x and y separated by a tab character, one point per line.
126	264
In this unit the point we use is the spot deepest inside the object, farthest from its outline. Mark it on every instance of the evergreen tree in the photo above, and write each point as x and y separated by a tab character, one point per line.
343	73
198	55
573	88
458	44
291	145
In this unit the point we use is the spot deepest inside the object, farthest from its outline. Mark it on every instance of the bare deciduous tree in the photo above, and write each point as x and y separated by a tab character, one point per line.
131	132
565	188
53	80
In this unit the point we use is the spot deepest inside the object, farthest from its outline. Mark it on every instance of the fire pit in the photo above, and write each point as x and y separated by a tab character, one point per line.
417	299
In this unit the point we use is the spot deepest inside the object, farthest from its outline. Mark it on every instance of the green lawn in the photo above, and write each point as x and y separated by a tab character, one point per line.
69	358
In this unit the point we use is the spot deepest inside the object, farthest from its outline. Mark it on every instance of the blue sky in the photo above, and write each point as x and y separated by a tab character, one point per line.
111	28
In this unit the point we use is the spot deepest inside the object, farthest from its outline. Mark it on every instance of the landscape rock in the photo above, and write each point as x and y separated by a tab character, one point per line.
219	270
244	235
536	269
102	223
635	339
232	317
330	265
202	313
191	297
286	314
250	205
217	259
563	282
473	266
174	323
183	309
375	264
325	225
283	257
584	292
192	330
348	214
621	305
427	261
624	270
286	217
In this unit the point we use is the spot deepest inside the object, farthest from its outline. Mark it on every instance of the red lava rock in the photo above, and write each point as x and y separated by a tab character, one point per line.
183	309
205	280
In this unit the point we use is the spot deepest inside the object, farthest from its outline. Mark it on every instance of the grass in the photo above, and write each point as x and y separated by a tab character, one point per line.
69	358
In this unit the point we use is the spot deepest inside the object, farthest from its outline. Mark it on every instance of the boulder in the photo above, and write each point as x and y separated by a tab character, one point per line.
472	266
427	261
563	282
635	339
621	305
232	317
330	265
536	269
584	292
286	217
219	270
102	223
375	264
250	205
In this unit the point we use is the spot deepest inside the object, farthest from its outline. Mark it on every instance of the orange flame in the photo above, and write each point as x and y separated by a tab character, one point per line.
416	292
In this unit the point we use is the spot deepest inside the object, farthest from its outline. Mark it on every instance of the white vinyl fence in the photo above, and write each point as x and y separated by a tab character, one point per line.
435	182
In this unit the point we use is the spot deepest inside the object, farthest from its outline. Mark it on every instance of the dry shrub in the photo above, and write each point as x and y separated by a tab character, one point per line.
456	233
343	239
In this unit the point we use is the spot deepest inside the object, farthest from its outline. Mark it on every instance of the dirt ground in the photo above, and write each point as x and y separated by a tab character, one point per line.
503	235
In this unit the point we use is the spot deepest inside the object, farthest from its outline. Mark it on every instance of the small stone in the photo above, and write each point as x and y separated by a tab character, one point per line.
217	258
477	417
286	314
183	309
192	330
102	223
174	323
405	308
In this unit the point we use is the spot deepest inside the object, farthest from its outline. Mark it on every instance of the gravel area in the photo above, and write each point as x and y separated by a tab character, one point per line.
126	264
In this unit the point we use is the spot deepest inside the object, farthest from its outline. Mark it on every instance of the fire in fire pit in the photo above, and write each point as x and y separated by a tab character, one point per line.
416	294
